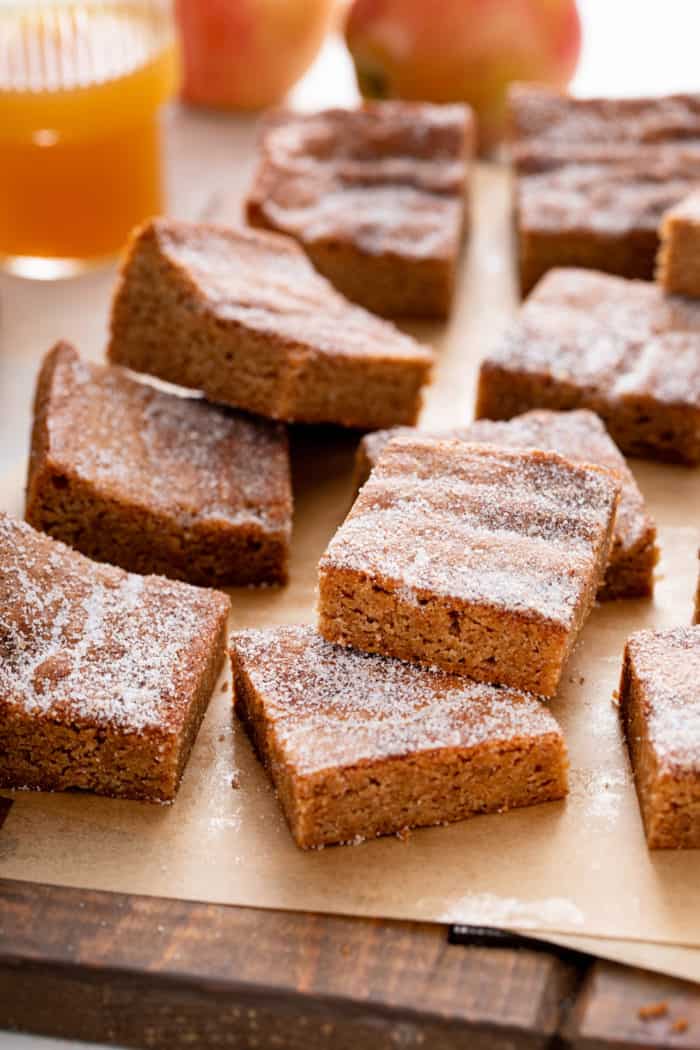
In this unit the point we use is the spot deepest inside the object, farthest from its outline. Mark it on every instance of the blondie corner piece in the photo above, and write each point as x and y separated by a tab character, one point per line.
480	560
595	176
376	196
580	437
679	256
359	746
660	713
243	316
154	482
104	676
619	348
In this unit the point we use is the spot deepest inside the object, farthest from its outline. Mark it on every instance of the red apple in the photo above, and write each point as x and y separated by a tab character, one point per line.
246	54
462	50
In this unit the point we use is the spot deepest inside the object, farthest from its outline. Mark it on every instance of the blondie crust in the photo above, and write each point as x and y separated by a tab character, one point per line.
581	437
104	676
243	316
154	482
620	348
480	560
679	255
595	176
660	713
359	746
376	197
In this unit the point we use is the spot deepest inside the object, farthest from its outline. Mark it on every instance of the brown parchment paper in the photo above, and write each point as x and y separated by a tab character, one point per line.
578	869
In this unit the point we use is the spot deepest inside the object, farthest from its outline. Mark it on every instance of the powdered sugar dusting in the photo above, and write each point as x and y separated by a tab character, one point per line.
86	641
331	706
177	455
578	435
667	666
382	178
610	337
512	529
266	284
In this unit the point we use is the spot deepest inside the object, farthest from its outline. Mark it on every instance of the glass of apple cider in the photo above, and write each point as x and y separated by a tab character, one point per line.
81	87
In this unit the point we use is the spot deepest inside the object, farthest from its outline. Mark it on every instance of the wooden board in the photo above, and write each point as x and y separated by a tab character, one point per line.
146	972
149	972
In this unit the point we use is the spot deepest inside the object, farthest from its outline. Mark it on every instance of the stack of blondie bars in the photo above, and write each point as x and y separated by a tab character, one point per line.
452	595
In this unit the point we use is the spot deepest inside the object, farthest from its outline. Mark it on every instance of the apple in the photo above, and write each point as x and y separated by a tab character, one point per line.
462	51
247	54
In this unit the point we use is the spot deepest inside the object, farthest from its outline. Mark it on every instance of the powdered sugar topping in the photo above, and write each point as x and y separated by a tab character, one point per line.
86	641
612	336
329	706
667	666
513	529
177	455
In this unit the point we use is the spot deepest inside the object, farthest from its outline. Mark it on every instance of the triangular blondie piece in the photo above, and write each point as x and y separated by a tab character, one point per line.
243	316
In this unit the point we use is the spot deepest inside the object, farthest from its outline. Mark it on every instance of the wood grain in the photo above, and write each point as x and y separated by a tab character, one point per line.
142	971
609	1011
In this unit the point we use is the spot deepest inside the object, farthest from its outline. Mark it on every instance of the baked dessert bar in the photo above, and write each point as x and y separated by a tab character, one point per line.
243	316
679	255
154	482
581	437
481	560
660	713
359	746
595	176
620	348
104	676
375	196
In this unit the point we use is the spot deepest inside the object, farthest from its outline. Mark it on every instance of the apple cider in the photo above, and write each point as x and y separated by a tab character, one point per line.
81	86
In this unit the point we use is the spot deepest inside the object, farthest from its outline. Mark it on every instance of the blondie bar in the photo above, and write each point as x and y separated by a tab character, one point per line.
595	176
359	745
579	436
243	316
660	713
481	560
679	255
620	348
154	482
375	196
104	676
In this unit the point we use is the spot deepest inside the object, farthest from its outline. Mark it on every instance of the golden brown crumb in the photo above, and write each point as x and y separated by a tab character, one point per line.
650	1011
404	834
681	1025
235	781
224	687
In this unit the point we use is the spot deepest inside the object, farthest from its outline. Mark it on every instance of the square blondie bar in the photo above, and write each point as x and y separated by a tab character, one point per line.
104	676
480	560
660	713
595	176
375	196
359	746
154	482
243	316
679	256
619	348
580	437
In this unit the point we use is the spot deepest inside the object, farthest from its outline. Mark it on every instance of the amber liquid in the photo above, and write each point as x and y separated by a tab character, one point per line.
79	131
